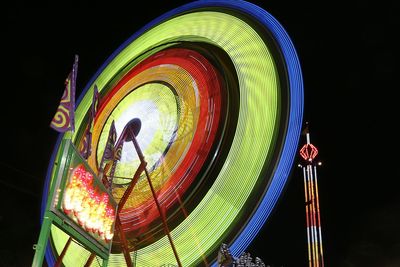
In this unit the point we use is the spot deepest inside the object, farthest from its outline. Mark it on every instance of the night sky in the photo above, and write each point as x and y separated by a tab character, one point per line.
348	57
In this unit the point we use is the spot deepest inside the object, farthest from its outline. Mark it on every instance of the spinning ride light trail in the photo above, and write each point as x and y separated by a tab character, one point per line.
218	88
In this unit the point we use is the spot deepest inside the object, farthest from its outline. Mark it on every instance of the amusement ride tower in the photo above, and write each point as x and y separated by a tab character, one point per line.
314	237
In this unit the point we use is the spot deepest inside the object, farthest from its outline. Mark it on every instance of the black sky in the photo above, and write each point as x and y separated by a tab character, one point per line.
349	57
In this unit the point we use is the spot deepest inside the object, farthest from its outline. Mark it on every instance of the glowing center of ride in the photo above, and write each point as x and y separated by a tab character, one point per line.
155	105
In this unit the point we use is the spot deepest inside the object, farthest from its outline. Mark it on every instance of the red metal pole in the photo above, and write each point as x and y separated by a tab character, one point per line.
141	157
60	258
124	243
132	137
163	218
128	191
90	260
182	207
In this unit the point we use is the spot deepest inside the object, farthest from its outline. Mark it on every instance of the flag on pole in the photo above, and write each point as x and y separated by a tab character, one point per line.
86	145
108	154
64	119
95	105
118	151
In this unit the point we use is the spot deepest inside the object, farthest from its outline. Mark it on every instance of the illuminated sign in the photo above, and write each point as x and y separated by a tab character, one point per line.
83	203
87	205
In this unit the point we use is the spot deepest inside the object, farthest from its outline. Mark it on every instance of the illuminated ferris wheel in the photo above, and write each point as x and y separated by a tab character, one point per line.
204	106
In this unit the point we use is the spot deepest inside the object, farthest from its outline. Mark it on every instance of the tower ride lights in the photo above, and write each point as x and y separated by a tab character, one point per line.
314	237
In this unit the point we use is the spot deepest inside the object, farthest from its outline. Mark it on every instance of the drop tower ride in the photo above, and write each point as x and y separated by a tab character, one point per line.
313	219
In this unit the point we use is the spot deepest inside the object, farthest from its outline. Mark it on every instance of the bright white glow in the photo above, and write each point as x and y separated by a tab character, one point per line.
149	115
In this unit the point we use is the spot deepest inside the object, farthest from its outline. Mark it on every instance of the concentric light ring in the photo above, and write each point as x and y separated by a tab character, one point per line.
261	117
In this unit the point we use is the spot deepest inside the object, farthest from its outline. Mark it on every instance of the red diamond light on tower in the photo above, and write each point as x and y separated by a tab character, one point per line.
308	152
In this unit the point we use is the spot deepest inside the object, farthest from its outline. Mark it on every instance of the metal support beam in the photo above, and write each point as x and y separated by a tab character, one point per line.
61	256
90	260
124	243
40	247
143	162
